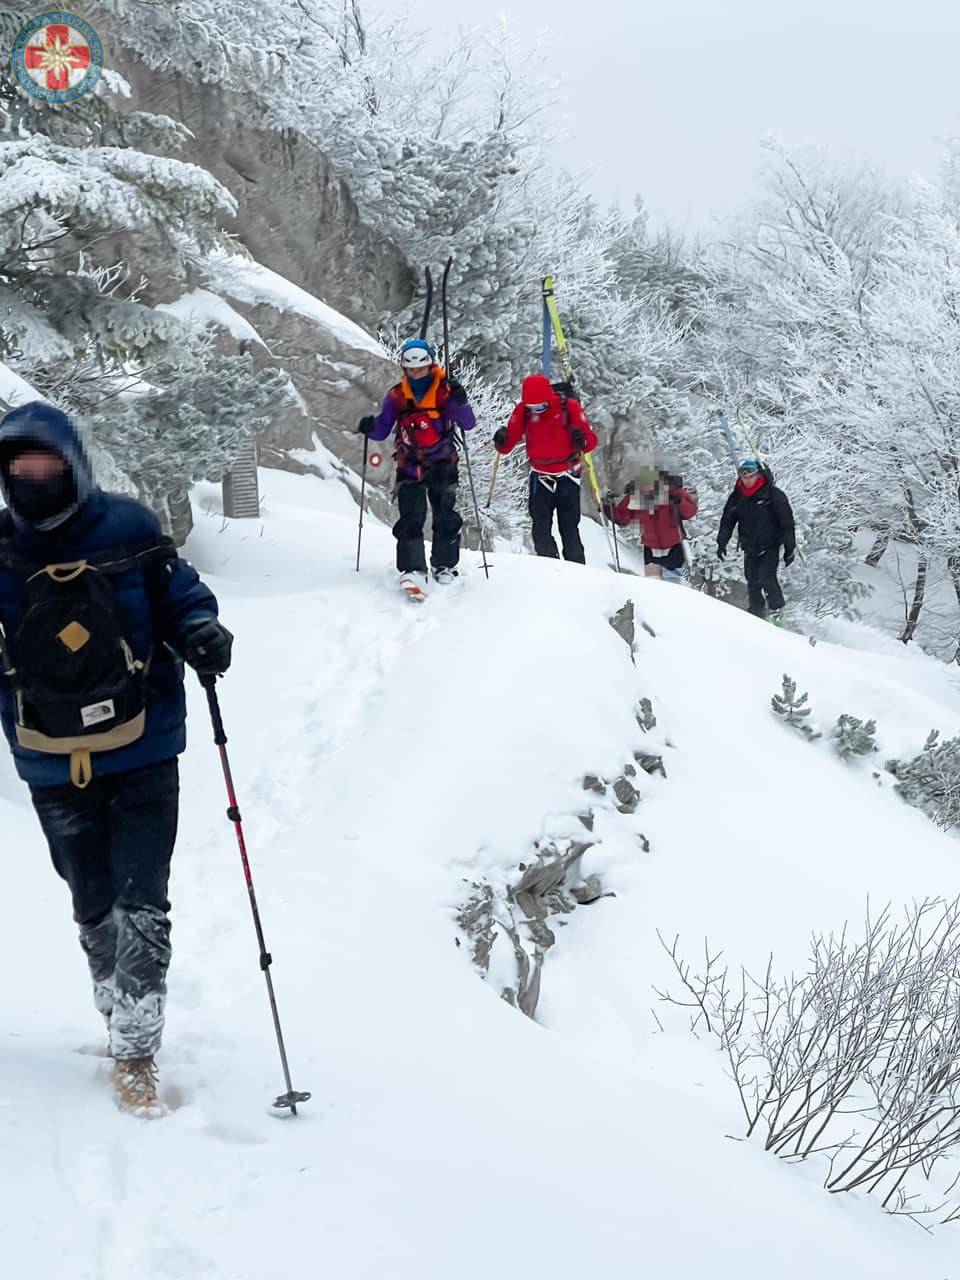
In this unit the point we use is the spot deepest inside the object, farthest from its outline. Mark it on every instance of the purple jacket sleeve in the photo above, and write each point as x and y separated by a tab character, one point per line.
460	415
385	420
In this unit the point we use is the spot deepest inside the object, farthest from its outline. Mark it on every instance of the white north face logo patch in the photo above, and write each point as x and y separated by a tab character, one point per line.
96	713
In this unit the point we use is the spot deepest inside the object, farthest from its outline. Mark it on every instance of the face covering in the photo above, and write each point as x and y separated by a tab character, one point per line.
39	500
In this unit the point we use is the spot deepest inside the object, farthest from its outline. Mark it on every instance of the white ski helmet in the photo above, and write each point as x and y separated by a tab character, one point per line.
417	353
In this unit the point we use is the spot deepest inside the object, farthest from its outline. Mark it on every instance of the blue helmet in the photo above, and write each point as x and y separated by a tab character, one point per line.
749	464
417	353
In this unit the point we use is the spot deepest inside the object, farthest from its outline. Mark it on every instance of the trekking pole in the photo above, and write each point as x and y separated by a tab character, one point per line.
595	490
493	481
363	490
291	1097
463	435
616	545
476	508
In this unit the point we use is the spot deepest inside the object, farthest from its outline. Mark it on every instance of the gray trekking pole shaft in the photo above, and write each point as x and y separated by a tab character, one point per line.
292	1097
493	481
616	545
476	508
363	490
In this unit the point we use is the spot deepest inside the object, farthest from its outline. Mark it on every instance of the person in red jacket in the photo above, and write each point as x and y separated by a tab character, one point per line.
658	504
556	433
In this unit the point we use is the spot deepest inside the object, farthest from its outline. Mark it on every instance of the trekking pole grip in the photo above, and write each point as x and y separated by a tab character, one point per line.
213	703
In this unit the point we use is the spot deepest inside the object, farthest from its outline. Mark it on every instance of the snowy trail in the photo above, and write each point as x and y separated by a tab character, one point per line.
384	755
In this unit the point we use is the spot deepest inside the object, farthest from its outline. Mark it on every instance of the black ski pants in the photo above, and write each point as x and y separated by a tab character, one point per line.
560	494
112	843
763	587
439	486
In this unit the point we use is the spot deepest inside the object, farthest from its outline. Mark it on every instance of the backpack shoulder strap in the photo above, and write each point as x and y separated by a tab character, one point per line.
136	556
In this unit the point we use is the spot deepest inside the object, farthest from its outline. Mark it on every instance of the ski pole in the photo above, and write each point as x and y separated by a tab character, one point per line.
595	490
463	435
476	508
292	1096
493	481
616	545
363	490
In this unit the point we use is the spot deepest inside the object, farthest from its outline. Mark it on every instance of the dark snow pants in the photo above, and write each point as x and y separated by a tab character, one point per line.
439	485
763	588
560	494
112	844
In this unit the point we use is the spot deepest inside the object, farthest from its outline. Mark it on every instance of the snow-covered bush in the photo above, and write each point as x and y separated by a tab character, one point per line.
853	737
856	1061
931	780
189	426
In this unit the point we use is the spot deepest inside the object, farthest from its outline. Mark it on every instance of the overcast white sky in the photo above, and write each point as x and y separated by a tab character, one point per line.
671	97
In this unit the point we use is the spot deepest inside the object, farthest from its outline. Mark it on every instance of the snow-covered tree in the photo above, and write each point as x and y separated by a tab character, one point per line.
86	221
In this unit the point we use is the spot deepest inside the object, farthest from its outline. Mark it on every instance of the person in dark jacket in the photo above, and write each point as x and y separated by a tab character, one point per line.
556	434
658	505
762	513
106	793
424	408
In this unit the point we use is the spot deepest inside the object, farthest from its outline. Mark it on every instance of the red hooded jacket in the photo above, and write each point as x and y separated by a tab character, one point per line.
661	526
547	434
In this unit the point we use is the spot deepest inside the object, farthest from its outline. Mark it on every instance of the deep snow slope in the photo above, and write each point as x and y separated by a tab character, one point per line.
386	755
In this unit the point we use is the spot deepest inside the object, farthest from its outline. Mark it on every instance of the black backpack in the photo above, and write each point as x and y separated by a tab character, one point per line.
77	685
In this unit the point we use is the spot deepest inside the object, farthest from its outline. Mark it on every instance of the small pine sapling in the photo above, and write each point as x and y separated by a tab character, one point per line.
853	737
792	709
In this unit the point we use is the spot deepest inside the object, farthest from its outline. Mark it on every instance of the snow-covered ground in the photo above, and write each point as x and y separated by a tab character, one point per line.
387	756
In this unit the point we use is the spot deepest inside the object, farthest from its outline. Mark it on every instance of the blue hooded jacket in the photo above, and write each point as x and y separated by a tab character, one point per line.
156	602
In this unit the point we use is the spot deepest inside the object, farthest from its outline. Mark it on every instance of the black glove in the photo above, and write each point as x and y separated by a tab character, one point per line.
578	438
500	438
564	389
790	556
629	488
721	550
457	392
365	425
206	646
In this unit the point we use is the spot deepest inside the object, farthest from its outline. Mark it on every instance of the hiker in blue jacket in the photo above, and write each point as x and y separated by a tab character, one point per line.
97	615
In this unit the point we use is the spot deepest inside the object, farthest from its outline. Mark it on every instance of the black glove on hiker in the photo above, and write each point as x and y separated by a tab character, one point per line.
721	550
366	425
500	438
206	646
457	393
789	556
578	438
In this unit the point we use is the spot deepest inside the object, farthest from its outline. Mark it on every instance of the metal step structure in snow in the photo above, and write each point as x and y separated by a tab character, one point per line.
241	488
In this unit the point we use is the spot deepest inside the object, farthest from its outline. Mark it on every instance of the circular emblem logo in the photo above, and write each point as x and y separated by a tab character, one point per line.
57	57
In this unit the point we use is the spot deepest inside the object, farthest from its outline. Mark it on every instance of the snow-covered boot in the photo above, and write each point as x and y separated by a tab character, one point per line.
445	576
135	1086
414	585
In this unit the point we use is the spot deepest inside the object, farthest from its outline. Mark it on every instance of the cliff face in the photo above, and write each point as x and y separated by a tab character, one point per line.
294	215
310	252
